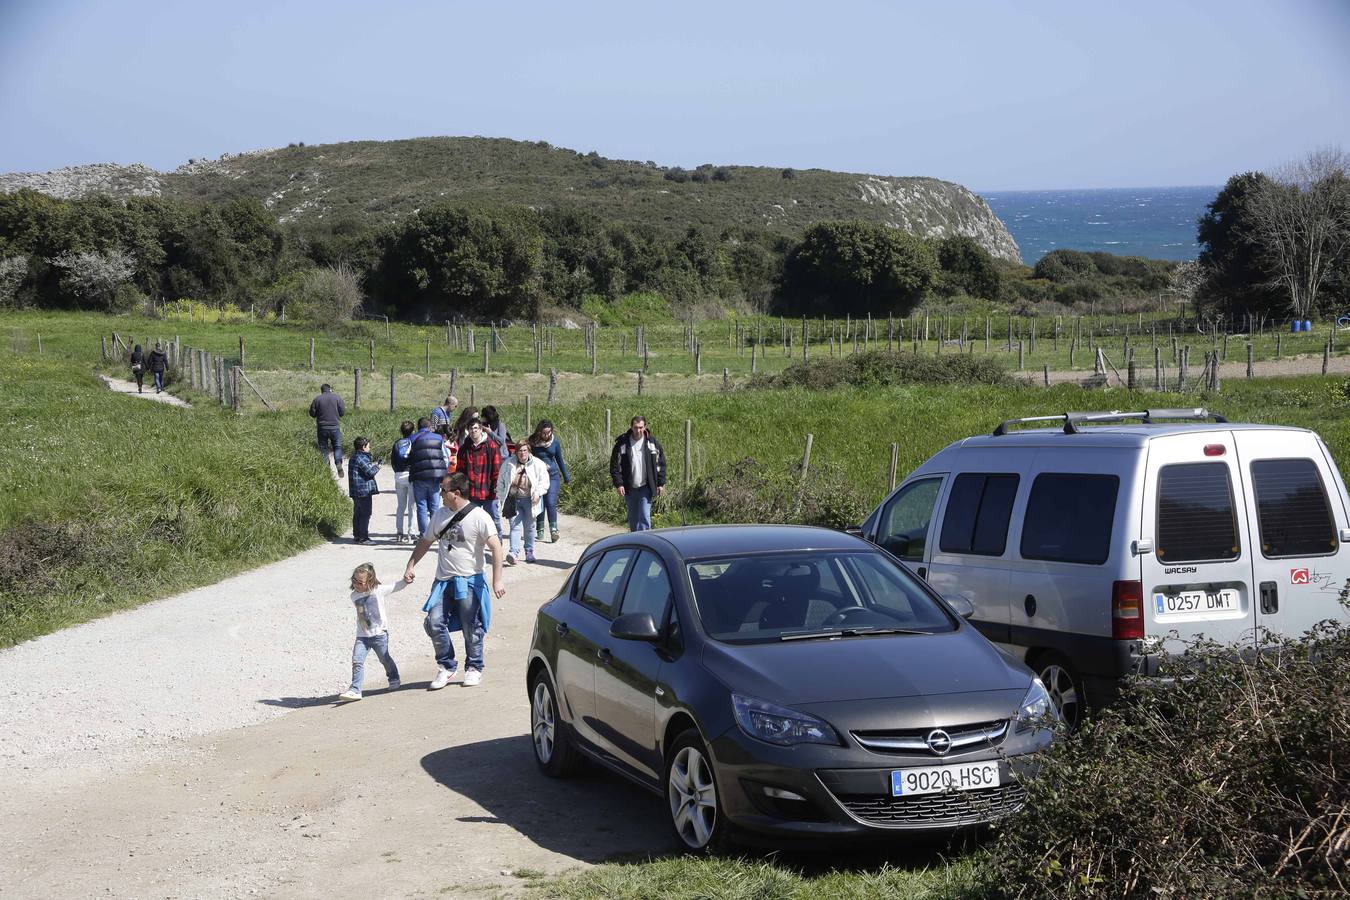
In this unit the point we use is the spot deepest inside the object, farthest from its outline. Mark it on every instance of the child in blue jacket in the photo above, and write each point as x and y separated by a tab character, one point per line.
361	487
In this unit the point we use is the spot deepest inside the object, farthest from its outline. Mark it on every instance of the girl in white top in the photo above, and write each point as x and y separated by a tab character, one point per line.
525	479
372	630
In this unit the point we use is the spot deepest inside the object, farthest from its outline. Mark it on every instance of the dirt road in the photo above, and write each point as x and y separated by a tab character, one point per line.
191	748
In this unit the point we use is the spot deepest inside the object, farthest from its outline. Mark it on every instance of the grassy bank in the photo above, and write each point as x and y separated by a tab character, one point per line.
112	501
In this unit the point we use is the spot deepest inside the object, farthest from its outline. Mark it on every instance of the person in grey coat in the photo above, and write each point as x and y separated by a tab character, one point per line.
327	410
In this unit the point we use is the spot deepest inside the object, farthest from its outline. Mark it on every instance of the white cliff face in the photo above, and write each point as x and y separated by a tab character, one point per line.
134	180
935	209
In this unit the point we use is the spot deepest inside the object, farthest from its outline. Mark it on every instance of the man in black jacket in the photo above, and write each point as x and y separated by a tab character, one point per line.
158	363
637	466
327	410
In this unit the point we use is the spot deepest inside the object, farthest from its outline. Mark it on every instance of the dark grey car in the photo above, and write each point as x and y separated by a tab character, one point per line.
783	681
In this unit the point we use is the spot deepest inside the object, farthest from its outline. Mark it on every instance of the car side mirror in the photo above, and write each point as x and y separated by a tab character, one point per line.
855	530
960	605
635	627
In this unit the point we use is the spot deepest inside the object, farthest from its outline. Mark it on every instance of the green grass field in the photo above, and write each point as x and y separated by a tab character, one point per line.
112	501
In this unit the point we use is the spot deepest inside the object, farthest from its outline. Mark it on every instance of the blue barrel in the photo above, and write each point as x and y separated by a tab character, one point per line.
1295	325
1307	324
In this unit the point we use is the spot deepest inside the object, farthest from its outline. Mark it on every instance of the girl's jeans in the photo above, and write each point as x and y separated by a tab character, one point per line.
380	644
522	523
159	381
406	505
550	503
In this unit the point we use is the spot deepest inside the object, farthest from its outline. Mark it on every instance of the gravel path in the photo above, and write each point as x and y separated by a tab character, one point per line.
191	746
129	387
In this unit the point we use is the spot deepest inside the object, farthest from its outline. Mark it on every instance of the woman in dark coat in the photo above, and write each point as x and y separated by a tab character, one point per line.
138	368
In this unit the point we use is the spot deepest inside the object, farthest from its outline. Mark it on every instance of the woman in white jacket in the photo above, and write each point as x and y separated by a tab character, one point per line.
524	480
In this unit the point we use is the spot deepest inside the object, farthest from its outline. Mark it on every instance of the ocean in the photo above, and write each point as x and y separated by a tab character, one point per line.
1158	223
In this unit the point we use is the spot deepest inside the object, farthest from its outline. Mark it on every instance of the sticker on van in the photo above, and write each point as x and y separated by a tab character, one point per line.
1298	576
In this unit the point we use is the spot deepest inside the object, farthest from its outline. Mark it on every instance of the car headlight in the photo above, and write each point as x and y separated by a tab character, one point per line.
779	725
1038	710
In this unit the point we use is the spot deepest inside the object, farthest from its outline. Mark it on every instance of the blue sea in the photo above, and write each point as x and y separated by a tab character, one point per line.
1158	223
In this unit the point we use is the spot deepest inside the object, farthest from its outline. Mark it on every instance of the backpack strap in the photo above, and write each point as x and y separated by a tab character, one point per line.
454	520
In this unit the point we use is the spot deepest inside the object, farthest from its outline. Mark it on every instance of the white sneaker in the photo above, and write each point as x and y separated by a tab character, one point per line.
472	677
442	678
510	559
395	684
350	694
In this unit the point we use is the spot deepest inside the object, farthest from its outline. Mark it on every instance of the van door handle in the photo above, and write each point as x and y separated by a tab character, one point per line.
1270	598
922	572
1029	604
562	629
604	656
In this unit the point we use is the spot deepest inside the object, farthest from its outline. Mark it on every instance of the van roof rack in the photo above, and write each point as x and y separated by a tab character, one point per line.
1072	420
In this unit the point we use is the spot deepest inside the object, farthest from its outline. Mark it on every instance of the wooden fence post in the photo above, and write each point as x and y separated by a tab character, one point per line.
529	429
726	379
391	388
311	354
1157	369
609	423
487	357
454	376
895	464
1131	376
426	359
1326	355
356	388
688	452
220	380
641	378
1249	360
552	384
473	400
234	389
372	356
806	457
241	351
1046	372
103	347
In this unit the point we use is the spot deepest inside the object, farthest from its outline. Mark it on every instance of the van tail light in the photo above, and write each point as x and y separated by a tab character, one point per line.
1127	610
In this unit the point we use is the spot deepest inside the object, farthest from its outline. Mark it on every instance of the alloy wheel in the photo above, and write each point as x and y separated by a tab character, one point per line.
693	797
541	721
1063	690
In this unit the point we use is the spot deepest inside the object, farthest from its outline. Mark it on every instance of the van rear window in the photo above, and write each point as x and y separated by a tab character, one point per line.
1196	519
1069	518
1291	506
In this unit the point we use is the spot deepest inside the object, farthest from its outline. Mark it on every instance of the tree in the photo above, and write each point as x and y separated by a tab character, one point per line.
95	276
325	296
1236	277
968	267
1302	218
13	270
858	267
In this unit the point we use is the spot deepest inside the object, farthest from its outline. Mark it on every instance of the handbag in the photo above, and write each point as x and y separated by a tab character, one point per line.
509	508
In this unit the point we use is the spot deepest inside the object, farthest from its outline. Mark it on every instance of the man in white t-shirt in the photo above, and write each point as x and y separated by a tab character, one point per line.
459	597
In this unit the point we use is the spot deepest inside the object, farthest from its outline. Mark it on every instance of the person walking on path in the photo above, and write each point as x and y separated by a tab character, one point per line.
546	447
480	459
637	467
398	460
426	468
440	415
158	363
138	368
372	629
361	488
460	597
521	486
327	410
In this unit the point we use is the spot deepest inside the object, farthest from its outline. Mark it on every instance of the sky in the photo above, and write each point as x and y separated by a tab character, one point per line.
1024	95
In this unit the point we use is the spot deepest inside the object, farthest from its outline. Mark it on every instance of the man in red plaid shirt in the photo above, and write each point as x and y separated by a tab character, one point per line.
480	459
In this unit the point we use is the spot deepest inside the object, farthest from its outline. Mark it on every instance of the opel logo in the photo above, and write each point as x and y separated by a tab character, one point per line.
938	741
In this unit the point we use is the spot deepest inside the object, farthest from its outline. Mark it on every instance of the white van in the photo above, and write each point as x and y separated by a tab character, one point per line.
1085	550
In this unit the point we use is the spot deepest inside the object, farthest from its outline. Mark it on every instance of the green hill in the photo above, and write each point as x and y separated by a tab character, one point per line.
383	180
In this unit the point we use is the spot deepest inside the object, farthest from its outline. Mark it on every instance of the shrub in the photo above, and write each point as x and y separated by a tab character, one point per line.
631	309
747	491
1233	779
326	296
877	369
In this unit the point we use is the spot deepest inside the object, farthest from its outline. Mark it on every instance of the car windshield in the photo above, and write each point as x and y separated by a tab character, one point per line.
794	596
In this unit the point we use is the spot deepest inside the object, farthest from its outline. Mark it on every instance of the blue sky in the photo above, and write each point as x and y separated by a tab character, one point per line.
996	96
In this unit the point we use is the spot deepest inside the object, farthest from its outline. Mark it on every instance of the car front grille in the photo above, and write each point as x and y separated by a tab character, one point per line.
964	738
938	810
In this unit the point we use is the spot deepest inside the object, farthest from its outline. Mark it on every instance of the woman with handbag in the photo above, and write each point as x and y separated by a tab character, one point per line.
138	368
522	484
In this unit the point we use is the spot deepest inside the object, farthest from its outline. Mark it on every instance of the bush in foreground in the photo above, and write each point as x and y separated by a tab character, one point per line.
1231	782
